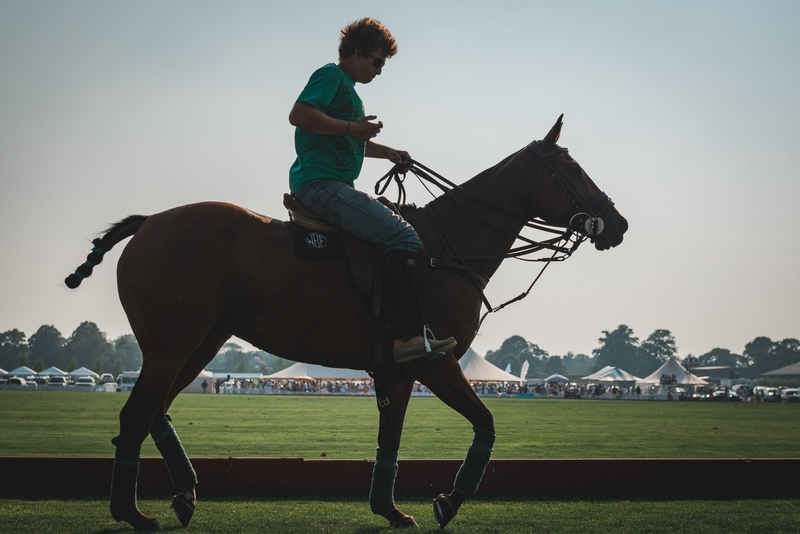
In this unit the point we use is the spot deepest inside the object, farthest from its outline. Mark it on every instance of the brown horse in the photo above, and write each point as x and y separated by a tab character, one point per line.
195	275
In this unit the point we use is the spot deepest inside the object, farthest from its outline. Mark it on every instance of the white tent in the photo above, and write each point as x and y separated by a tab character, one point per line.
52	371
477	369
672	367
3	372
22	371
83	371
197	384
311	371
556	378
612	374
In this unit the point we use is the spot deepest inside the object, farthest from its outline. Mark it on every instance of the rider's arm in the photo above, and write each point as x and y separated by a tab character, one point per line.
310	119
374	150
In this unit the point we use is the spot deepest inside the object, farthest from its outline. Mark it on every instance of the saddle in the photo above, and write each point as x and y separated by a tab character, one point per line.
314	238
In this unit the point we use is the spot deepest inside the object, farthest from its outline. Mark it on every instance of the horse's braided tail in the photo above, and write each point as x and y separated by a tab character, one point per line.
116	233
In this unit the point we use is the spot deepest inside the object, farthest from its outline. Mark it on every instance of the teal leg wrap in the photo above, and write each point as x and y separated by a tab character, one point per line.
124	479
171	449
381	494
471	472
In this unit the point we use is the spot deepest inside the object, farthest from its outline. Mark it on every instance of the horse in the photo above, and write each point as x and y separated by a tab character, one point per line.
193	276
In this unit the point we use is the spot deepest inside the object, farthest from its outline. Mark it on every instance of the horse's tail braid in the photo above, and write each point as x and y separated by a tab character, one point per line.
116	233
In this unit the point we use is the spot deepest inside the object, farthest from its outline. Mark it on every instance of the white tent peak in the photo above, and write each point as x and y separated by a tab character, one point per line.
672	367
556	378
476	368
308	371
22	371
83	371
52	371
612	374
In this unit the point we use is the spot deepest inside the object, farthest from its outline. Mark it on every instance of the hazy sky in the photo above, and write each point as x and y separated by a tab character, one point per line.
686	112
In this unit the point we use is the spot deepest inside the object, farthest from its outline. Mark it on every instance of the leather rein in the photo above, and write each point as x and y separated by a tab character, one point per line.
583	224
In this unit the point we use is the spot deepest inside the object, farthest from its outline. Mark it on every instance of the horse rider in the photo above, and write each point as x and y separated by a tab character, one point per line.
331	138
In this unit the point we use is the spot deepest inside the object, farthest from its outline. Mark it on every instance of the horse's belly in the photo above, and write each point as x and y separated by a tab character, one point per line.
310	311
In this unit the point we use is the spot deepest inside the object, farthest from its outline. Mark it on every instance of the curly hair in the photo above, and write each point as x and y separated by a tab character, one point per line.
367	35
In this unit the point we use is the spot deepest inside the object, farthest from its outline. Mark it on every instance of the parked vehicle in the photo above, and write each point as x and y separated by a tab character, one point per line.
725	396
743	390
17	381
126	380
85	382
106	378
791	395
57	381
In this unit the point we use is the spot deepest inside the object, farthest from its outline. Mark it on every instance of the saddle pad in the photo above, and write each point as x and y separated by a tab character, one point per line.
315	245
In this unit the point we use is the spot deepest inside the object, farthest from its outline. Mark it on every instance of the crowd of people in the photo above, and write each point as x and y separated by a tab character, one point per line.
557	390
307	387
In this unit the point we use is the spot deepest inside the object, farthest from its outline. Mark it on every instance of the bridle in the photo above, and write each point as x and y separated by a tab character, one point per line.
586	223
587	216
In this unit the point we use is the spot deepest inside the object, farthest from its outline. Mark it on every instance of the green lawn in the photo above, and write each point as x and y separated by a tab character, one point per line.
478	516
82	424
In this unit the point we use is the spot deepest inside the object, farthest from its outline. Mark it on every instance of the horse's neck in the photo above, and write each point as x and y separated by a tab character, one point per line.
508	186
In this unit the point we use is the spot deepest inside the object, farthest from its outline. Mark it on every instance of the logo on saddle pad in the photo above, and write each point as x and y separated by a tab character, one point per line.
316	240
316	245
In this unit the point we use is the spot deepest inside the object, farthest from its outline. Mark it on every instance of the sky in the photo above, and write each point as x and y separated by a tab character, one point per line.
686	113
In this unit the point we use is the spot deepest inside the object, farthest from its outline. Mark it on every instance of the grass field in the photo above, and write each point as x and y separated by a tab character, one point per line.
774	516
82	424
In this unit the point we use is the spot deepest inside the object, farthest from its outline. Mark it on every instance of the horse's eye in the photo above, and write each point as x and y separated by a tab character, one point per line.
576	169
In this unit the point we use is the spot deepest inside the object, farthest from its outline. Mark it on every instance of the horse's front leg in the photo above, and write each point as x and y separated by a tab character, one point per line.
445	379
392	394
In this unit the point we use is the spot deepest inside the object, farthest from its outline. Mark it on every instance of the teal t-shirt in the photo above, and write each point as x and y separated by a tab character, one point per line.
328	157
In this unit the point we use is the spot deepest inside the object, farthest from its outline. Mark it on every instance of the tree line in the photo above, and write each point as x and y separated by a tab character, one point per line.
621	348
90	347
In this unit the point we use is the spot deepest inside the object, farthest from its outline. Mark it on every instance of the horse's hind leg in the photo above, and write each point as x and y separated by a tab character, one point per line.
392	394
136	417
166	438
445	379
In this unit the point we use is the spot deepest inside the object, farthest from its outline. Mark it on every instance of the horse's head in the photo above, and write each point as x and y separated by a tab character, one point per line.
568	196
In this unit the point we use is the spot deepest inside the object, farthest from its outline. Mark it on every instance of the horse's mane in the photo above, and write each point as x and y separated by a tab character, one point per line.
407	209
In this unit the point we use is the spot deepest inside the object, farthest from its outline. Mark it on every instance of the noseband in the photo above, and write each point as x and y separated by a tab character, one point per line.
587	219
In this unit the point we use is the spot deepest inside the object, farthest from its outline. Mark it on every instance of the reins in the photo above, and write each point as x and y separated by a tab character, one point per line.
563	245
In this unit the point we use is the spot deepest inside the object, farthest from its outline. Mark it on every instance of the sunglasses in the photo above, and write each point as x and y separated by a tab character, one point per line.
378	63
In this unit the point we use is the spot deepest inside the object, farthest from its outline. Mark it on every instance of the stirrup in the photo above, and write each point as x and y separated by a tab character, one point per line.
433	348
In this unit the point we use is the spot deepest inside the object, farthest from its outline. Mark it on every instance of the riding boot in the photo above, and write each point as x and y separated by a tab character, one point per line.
401	276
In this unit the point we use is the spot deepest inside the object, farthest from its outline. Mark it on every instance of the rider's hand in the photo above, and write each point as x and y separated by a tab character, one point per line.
401	156
364	129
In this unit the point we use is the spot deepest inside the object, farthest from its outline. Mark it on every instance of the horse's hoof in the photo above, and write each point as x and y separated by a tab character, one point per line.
139	521
152	526
443	510
398	519
407	521
183	508
145	523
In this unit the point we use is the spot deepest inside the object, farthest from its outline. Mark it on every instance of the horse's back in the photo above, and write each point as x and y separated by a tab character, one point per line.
217	265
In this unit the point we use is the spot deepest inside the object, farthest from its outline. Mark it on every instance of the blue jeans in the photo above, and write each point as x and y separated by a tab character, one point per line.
360	214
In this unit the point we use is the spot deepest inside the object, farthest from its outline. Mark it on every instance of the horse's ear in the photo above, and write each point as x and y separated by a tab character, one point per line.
555	132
